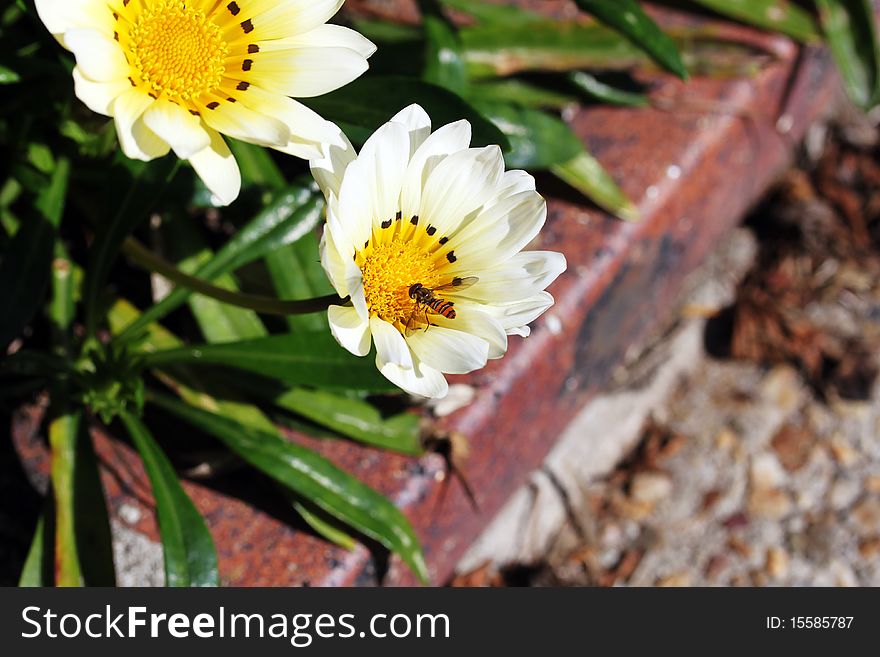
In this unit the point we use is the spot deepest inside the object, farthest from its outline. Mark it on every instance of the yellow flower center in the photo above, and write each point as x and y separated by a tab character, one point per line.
176	50
389	271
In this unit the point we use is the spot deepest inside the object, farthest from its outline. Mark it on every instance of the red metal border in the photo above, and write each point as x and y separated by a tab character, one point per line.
694	168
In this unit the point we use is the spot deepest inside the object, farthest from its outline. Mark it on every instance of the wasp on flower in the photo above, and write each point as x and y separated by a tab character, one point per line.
176	74
425	235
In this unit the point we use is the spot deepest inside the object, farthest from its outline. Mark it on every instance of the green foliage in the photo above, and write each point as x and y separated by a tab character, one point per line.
70	204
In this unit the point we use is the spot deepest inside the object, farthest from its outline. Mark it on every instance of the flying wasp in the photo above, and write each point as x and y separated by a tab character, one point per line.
426	299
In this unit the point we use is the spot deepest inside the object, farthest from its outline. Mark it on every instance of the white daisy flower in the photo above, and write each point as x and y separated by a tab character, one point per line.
424	234
175	74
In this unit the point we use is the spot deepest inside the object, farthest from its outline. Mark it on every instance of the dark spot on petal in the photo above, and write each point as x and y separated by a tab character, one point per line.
194	112
233	8
253	48
243	86
431	230
386	224
451	256
248	26
415	220
247	64
456	280
443	240
213	105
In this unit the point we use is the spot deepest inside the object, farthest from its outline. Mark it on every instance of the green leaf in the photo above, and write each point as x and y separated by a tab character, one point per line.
190	555
356	419
26	266
537	140
777	15
495	14
387	96
147	185
256	165
83	552
325	526
313	477
630	19
8	76
587	175
296	359
502	50
38	566
297	273
518	92
219	322
444	64
291	215
851	30
605	93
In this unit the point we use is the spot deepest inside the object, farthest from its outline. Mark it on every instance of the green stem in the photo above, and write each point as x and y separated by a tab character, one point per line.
267	305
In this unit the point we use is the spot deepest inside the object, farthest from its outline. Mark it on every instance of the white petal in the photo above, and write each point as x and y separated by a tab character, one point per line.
448	139
333	263
501	230
352	218
448	350
334	36
98	96
522	276
382	161
391	347
472	319
307	129
459	185
217	168
98	56
240	122
59	16
183	131
306	72
417	123
349	329
515	316
275	19
329	169
420	379
137	141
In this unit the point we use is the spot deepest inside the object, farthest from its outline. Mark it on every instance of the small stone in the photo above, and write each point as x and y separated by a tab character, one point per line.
843	452
676	580
843	493
792	445
766	472
739	546
776	563
773	503
726	439
715	566
867	516
782	388
650	487
870	547
844	575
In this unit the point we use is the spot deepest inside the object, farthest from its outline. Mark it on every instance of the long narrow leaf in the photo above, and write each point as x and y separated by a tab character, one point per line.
25	267
297	359
314	477
586	174
628	17
190	555
290	216
778	15
851	30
